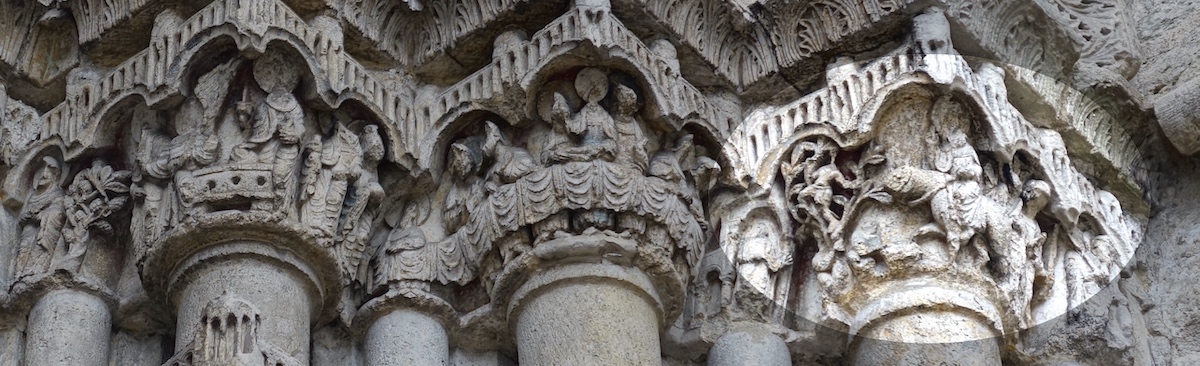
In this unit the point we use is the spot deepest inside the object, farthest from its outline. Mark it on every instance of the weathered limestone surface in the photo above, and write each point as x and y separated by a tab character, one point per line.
407	337
81	315
598	182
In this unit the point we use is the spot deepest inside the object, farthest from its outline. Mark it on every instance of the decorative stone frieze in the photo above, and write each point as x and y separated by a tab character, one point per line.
674	182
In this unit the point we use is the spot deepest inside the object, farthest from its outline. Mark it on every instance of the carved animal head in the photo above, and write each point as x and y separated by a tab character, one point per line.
931	32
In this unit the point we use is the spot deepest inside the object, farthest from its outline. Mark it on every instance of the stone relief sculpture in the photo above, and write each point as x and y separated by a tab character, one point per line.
57	226
43	219
763	251
96	194
229	336
358	214
903	211
276	127
469	182
581	152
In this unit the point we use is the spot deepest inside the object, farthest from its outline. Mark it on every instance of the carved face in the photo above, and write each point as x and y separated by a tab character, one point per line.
50	173
464	159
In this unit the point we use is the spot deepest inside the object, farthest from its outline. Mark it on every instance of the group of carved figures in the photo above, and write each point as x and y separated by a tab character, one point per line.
588	169
329	184
590	173
854	202
324	178
595	160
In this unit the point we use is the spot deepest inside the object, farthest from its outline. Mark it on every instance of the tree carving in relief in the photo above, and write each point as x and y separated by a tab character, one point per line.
929	195
59	226
588	165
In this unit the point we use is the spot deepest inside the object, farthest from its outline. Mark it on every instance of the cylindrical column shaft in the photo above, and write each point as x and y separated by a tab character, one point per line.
285	299
927	338
583	322
68	328
407	337
749	347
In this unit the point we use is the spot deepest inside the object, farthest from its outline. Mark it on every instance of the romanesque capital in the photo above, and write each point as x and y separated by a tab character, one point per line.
586	182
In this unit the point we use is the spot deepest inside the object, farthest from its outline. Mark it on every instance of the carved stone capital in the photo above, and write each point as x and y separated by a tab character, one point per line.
268	170
67	233
922	187
592	182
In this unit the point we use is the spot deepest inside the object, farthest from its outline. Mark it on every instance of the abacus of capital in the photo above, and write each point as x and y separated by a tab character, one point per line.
591	182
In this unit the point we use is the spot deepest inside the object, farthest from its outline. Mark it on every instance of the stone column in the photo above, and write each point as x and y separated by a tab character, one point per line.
68	327
1179	115
587	314
407	337
749	347
279	285
927	325
930	337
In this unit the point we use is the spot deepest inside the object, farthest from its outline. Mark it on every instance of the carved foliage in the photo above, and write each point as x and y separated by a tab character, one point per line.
435	27
801	29
947	206
1103	31
58	226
